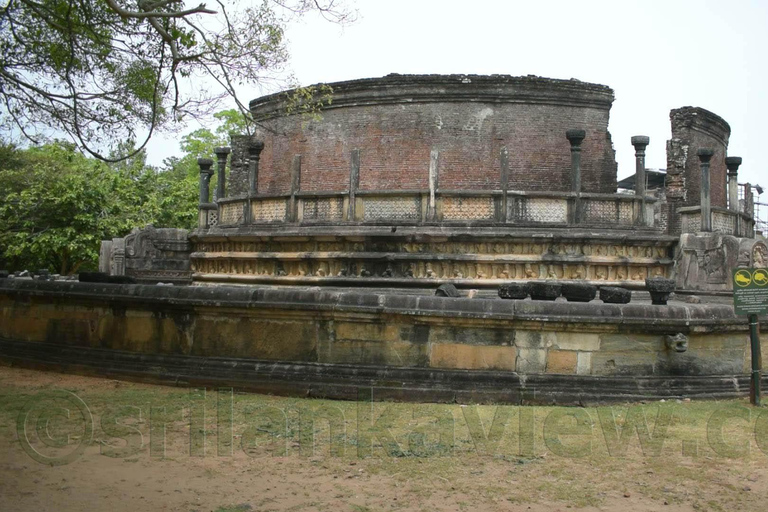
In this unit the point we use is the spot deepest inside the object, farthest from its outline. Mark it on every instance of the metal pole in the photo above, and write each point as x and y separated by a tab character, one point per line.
754	385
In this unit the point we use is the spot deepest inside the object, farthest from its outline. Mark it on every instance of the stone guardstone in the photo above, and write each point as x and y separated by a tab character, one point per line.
705	260
149	255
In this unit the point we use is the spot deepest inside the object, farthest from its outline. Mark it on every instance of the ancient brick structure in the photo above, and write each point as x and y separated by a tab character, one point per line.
415	181
426	182
397	122
694	128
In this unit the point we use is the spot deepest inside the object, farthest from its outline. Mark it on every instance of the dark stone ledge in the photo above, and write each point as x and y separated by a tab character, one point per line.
340	381
681	318
427	233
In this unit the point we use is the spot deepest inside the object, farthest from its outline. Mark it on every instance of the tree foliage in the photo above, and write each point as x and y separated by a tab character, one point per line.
57	205
104	70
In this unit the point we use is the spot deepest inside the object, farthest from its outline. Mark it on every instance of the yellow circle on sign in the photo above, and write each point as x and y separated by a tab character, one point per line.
760	277
742	278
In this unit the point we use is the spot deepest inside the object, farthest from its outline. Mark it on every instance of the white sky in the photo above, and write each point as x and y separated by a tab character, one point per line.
656	55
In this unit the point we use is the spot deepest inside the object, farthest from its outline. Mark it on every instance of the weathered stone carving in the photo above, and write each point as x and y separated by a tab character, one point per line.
446	290
759	255
677	342
149	255
660	289
705	261
615	295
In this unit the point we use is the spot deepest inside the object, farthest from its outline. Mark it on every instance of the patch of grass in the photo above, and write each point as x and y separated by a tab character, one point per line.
481	454
244	507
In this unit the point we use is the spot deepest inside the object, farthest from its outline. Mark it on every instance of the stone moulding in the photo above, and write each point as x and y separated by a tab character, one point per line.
345	382
395	89
408	256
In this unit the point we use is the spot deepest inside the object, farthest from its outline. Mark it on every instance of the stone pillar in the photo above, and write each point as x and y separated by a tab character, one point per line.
221	157
105	256
254	155
434	155
504	161
575	137
295	188
117	268
354	182
640	142
205	165
733	163
705	155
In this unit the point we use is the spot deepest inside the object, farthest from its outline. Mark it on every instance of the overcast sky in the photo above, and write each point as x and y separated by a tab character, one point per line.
656	55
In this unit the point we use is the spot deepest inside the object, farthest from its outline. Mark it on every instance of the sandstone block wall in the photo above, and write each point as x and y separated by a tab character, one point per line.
368	329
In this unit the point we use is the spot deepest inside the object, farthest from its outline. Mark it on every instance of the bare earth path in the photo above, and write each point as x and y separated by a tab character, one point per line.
409	457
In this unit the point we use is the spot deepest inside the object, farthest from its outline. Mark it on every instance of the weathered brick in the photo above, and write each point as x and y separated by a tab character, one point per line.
396	121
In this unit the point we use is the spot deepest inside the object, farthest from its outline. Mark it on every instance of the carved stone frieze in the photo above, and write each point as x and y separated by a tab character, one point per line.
705	260
480	260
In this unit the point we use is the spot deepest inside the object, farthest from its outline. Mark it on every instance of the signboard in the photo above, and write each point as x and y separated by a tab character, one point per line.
750	291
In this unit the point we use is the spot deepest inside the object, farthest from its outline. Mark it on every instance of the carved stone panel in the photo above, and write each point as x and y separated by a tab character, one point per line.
705	261
384	208
268	210
690	222
759	256
468	208
231	213
723	223
323	208
600	212
542	210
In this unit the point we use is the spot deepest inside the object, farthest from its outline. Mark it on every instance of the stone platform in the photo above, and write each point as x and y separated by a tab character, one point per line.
404	346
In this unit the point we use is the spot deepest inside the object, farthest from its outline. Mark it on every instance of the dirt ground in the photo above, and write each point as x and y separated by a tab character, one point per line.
712	455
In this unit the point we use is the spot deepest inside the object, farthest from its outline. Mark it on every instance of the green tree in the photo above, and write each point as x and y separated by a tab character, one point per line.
179	181
57	205
106	70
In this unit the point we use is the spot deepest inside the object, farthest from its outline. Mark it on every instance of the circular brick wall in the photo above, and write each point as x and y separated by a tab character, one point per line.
397	122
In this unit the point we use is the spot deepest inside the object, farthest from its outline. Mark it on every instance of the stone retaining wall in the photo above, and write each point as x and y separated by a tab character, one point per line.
369	329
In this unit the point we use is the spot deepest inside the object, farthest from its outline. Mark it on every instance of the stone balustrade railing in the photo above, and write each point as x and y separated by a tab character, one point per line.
427	206
723	220
451	207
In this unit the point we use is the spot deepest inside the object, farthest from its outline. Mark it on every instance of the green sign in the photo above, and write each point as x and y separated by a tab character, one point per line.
750	291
